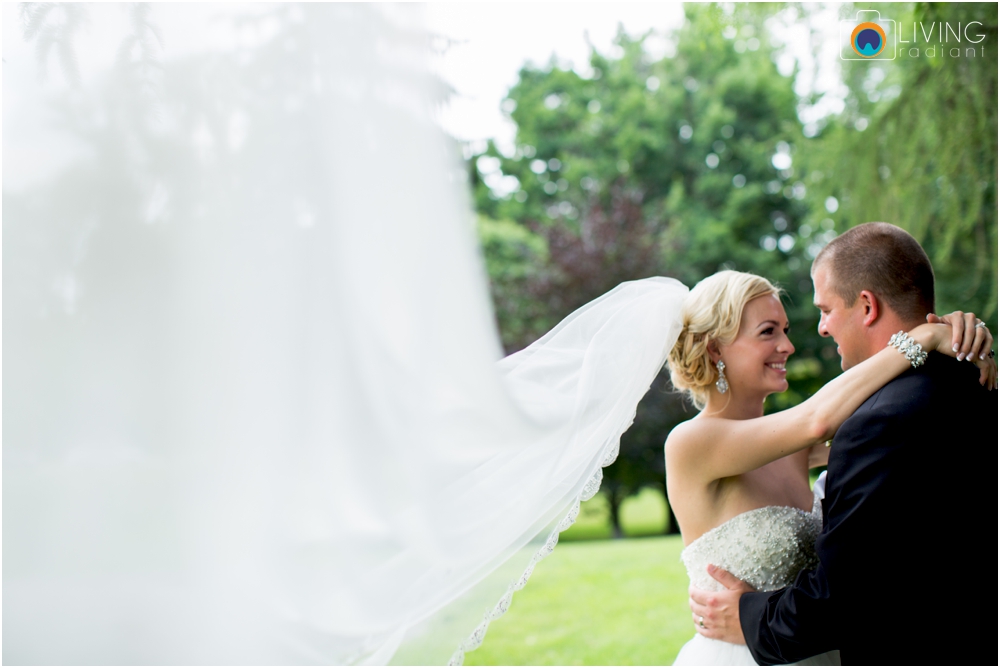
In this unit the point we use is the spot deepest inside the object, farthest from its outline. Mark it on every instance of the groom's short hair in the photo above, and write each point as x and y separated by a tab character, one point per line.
885	260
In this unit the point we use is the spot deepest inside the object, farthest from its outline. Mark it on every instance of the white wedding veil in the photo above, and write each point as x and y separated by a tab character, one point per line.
255	407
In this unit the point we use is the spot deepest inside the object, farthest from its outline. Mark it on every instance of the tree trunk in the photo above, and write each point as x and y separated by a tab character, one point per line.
614	505
671	526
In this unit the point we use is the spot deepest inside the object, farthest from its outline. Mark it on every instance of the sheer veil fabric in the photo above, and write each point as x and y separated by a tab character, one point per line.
255	406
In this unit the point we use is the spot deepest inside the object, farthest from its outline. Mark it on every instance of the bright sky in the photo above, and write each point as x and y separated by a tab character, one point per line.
487	44
491	41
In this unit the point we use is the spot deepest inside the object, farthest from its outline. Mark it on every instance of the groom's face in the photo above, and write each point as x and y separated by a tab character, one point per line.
837	320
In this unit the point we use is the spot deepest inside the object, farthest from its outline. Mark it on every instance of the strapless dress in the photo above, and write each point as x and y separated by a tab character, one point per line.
766	548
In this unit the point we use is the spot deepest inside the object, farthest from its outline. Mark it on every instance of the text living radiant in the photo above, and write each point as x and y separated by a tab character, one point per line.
945	34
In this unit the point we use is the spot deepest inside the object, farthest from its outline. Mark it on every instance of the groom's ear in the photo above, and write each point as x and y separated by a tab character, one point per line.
870	308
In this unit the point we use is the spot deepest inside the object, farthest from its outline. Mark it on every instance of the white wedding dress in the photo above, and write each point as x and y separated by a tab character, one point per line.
256	411
766	548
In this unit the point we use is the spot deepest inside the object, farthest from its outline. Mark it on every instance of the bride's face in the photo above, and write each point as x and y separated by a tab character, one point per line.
755	360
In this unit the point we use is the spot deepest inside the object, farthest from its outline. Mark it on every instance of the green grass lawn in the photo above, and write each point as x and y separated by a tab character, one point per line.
596	603
599	602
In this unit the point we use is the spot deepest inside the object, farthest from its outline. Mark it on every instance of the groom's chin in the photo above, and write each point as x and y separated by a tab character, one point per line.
845	363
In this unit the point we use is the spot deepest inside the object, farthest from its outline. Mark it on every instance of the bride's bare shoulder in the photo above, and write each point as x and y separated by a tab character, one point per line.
688	437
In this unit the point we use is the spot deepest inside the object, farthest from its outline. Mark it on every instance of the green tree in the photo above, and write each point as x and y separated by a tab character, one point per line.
916	146
698	161
678	166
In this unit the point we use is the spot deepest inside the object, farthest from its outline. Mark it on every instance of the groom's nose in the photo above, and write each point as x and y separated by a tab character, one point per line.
822	326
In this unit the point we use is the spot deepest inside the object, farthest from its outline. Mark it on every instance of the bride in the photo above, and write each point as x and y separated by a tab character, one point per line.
254	412
737	480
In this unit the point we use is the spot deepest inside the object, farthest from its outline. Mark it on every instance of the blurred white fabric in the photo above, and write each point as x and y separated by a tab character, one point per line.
253	407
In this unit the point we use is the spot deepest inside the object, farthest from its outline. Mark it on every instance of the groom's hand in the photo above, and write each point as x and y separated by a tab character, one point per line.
716	614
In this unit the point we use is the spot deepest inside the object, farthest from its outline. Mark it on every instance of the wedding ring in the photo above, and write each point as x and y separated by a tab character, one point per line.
980	324
701	622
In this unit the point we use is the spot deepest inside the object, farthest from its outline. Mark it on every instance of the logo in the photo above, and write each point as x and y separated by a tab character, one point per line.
868	37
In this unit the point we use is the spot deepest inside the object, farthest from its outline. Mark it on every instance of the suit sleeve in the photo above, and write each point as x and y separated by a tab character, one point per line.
801	620
773	621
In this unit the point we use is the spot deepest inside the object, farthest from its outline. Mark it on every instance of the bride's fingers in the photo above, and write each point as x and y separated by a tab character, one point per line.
987	343
955	321
977	343
987	373
983	342
987	367
968	335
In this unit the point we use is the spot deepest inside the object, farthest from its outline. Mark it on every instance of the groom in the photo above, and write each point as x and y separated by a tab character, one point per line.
908	548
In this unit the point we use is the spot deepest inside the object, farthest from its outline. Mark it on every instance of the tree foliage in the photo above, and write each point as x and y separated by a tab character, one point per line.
697	161
917	146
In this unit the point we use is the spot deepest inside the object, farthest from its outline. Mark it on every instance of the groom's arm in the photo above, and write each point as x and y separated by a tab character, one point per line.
800	621
790	624
805	619
780	626
902	435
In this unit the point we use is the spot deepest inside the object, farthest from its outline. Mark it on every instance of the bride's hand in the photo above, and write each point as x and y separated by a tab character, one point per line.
973	341
969	338
948	334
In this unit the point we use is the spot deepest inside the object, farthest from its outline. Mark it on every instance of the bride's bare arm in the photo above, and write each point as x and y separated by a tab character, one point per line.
718	448
819	454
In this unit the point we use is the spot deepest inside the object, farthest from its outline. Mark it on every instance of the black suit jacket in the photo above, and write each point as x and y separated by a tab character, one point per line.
908	550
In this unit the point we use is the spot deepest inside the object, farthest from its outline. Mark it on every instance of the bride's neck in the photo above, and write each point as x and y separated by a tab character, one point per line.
734	407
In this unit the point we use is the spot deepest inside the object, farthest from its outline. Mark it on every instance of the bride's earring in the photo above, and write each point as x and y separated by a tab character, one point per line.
722	385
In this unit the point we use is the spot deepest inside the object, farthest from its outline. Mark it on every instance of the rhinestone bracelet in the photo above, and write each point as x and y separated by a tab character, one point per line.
912	350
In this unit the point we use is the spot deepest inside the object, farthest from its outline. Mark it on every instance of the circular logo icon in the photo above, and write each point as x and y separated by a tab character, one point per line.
868	39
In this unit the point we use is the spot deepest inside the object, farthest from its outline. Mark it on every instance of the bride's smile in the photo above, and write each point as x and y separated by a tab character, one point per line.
755	361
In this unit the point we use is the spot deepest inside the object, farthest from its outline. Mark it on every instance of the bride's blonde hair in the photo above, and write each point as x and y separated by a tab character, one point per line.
712	312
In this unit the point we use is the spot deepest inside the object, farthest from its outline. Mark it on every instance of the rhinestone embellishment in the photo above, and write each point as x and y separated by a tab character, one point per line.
766	548
912	350
722	385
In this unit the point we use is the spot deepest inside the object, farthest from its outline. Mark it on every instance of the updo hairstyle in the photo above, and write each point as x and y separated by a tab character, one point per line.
712	312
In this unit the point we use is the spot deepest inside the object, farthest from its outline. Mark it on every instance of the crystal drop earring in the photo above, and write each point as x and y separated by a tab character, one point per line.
722	385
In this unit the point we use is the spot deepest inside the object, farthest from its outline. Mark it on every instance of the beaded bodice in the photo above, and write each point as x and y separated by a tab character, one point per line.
765	547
